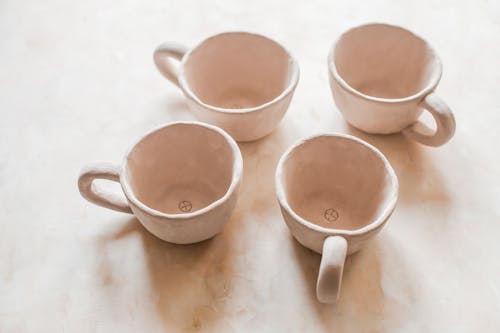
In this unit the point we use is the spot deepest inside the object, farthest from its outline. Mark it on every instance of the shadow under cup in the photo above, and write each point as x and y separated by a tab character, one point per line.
385	61
238	70
180	169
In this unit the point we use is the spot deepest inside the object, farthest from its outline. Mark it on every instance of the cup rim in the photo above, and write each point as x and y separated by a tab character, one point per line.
236	176
420	94
294	79
381	218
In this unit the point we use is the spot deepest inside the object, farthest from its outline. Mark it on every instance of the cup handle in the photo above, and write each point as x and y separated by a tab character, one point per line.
445	123
331	269
164	56
98	195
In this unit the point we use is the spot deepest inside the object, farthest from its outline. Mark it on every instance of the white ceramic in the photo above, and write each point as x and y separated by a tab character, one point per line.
382	77
181	181
335	192
239	81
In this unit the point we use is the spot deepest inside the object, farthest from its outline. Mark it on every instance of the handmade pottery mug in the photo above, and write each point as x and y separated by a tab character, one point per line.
181	181
335	192
382	77
239	81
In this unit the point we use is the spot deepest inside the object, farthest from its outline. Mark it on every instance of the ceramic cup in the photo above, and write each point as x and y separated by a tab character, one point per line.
181	181
335	193
382	77
239	81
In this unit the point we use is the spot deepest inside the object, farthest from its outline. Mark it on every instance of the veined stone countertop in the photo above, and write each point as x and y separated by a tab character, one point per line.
78	85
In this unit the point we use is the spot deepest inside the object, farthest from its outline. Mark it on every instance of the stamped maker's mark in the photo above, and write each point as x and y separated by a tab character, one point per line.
185	206
331	215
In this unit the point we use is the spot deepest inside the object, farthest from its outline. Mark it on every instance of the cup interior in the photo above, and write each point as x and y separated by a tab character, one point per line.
238	70
180	168
385	61
338	182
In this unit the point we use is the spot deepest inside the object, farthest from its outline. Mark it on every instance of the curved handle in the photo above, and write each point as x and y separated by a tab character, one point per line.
96	194
331	269
163	58
445	123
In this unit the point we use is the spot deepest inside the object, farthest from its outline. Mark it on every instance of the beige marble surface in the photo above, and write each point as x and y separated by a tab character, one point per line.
78	85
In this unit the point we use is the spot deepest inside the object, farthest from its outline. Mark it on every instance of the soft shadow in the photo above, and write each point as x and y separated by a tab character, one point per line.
361	278
419	179
188	283
177	108
260	159
363	302
176	103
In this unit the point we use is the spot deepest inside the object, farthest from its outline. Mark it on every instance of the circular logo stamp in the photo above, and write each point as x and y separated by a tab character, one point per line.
331	215
185	206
